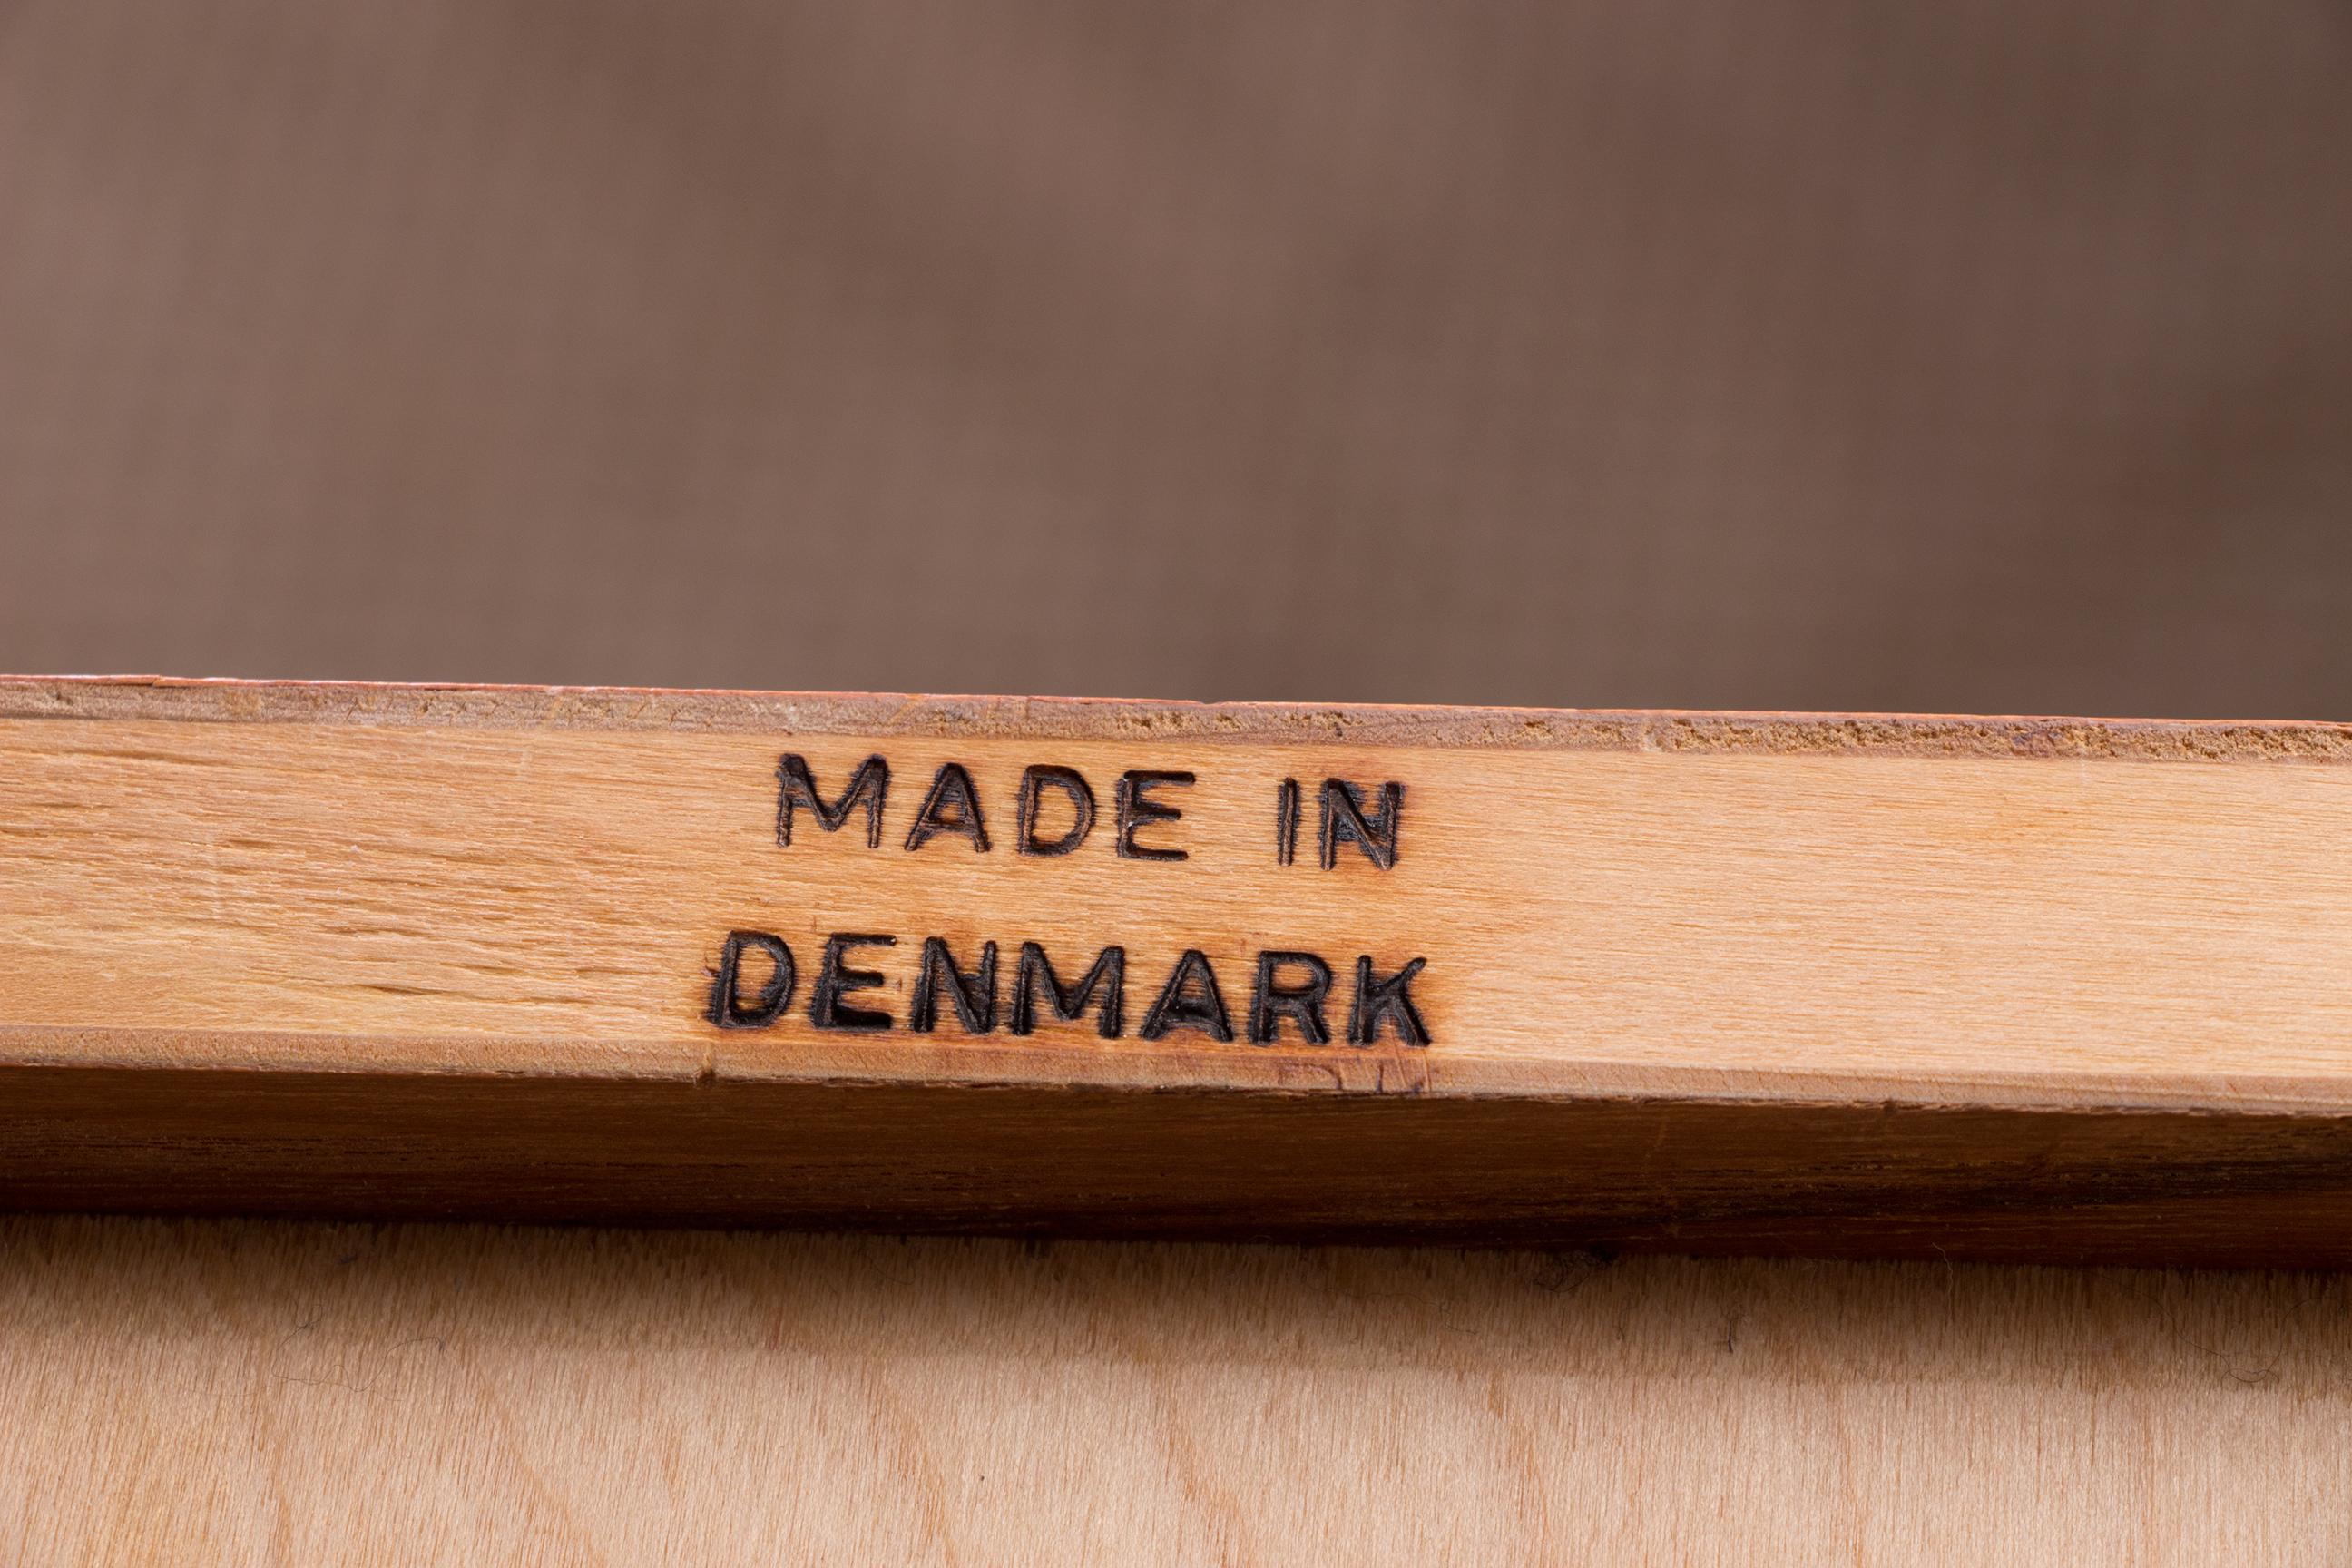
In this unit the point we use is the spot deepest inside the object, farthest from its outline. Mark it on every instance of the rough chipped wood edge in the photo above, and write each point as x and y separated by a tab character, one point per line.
889	715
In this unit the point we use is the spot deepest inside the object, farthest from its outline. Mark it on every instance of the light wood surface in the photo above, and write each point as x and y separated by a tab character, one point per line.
2016	912
271	1392
2062	988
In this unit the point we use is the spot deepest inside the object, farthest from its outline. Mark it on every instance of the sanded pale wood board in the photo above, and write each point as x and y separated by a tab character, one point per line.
2028	987
278	1394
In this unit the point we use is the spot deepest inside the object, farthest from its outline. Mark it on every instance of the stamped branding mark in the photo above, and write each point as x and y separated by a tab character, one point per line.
1282	996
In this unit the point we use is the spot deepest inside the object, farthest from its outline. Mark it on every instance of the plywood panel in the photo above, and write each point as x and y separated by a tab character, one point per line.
272	1393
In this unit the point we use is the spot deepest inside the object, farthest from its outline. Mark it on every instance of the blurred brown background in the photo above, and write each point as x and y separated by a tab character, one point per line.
1988	356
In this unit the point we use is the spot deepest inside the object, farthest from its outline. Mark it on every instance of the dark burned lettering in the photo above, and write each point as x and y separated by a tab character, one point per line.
727	1008
1275	997
1344	819
950	808
974	994
1290	988
835	980
869	786
1072	786
1286	823
1291	1000
1189	1000
1389	1000
1136	807
1055	811
1107	976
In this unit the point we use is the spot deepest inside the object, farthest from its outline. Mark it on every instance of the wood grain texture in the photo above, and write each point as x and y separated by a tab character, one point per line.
269	1392
1976	987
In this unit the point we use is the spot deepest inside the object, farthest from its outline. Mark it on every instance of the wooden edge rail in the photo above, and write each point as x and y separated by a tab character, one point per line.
2054	988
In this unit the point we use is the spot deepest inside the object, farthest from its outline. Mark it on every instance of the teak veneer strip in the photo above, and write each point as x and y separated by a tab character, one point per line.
2021	987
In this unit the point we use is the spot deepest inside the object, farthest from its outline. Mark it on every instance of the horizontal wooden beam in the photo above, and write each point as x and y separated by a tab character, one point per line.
2054	988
